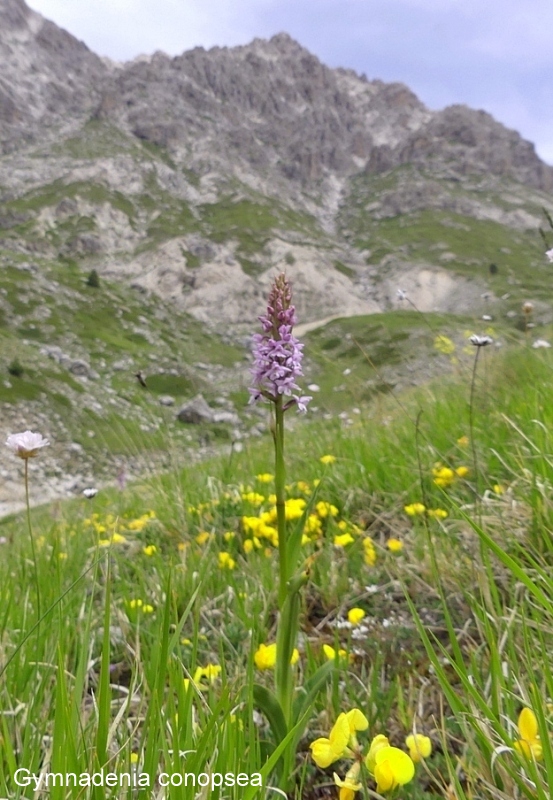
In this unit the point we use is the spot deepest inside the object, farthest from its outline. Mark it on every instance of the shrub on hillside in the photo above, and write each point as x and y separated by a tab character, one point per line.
15	368
93	279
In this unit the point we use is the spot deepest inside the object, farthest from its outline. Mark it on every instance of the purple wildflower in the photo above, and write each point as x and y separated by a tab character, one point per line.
277	353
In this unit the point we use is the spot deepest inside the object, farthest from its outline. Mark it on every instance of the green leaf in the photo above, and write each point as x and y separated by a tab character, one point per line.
269	705
104	690
268	767
310	690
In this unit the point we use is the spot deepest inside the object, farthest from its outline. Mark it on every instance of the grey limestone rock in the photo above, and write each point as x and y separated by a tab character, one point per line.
196	411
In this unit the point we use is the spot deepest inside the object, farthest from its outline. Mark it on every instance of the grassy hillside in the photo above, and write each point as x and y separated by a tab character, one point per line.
141	588
52	321
116	332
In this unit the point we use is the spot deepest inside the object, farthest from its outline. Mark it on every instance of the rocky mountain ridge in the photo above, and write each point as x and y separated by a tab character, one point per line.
198	176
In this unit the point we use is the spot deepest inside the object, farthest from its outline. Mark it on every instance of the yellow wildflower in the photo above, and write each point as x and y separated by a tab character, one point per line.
253	498
357	721
443	344
437	513
443	476
498	488
350	784
226	561
377	743
264	477
529	744
328	459
211	672
326	509
149	549
325	751
369	551
265	656
251	524
248	546
355	615
294	507
414	509
313	525
140	605
463	441
133	758
394	545
228	536
203	537
392	768
268	532
420	746
303	486
137	524
343	539
330	652
462	472
117	538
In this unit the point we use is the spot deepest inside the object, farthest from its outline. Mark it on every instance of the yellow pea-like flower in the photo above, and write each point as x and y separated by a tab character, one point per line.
392	768
325	751
420	746
350	784
529	744
377	744
355	615
265	656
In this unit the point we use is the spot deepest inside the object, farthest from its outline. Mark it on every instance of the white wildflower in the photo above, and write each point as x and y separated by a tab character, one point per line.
90	493
549	255
27	444
480	341
540	343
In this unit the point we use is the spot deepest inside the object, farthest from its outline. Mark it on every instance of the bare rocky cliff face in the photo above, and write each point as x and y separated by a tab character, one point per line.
198	176
49	80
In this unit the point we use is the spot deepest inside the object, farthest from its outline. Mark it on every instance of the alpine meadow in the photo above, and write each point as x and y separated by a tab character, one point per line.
276	508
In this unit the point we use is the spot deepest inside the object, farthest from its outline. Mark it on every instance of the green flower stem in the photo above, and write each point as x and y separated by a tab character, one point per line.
288	589
283	670
33	549
286	639
280	492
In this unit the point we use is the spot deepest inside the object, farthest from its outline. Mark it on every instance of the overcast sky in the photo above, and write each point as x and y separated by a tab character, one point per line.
490	54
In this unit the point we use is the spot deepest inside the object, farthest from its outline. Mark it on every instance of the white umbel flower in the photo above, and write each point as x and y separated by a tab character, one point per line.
26	444
549	255
540	343
90	493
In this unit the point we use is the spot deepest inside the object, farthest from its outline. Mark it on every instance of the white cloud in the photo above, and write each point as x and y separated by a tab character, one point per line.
122	29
